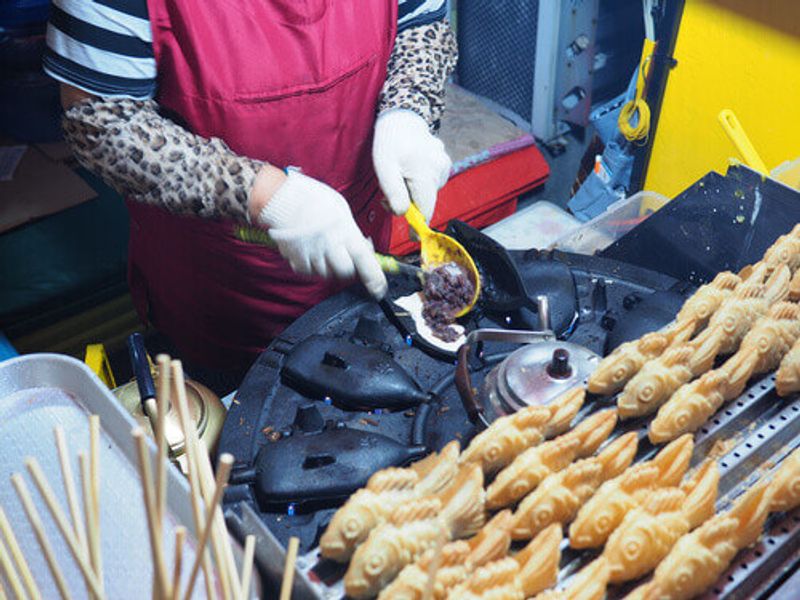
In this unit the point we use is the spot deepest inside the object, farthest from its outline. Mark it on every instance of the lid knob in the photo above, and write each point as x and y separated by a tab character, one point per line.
559	367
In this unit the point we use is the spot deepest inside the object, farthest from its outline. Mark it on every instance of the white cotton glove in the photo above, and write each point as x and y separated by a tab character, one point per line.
314	229
405	153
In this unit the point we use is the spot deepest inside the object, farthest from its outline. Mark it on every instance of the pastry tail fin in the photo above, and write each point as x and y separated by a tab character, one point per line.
701	494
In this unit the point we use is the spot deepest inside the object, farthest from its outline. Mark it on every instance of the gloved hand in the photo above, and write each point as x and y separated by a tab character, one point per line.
314	229
404	152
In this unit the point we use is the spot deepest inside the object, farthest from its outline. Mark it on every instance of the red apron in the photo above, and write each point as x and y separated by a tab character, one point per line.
292	82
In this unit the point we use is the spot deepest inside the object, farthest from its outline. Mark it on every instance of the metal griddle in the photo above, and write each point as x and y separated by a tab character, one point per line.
620	295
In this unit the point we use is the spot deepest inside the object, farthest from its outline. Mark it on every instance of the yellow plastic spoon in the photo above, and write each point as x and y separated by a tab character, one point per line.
438	249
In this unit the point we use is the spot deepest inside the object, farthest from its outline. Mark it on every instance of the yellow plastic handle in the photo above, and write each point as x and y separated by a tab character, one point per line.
417	221
735	131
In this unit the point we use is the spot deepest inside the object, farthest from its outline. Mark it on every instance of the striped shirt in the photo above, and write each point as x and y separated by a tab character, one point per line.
105	47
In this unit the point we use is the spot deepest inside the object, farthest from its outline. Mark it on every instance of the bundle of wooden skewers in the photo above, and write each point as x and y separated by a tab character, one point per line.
80	526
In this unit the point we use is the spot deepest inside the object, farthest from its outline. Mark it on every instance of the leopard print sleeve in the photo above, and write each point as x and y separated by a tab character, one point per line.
149	158
422	60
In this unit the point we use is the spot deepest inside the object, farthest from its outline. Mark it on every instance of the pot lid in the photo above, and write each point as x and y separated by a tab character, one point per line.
537	373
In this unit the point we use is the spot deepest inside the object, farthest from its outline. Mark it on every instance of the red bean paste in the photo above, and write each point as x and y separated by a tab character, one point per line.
448	289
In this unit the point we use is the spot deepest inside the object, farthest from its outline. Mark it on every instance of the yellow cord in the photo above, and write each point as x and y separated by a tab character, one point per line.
638	106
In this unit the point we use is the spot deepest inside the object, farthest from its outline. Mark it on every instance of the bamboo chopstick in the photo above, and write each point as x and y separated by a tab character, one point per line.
10	572
288	569
223	474
148	493
247	564
219	534
95	547
69	487
18	556
38	528
192	468
177	563
39	478
163	403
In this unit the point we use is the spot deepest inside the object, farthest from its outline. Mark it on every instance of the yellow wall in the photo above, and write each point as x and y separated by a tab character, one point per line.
737	54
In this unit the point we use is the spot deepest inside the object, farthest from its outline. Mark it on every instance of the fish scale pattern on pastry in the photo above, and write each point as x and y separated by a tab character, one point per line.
616	369
385	491
698	558
413	528
734	318
648	532
606	509
508	436
657	380
558	498
761	350
530	467
699	307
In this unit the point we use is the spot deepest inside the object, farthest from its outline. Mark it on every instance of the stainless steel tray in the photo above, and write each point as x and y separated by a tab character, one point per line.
40	391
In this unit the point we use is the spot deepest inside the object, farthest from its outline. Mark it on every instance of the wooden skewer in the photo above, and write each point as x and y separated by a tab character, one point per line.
220	539
69	487
247	564
148	493
288	569
85	469
41	536
192	469
163	401
40	479
177	565
223	474
19	558
10	572
95	546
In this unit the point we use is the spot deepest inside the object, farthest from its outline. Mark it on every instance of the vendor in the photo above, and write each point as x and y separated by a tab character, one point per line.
257	113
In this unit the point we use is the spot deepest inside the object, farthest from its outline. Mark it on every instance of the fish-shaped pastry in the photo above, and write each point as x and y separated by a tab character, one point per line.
648	532
785	486
366	509
589	583
787	378
764	346
436	470
528	469
492	541
504	439
453	568
794	287
736	316
414	527
689	407
761	350
616	369
535	569
456	562
699	307
558	498
697	559
385	491
538	561
657	380
785	251
496	581
604	511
